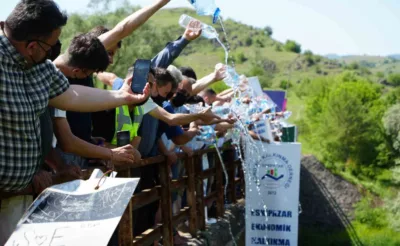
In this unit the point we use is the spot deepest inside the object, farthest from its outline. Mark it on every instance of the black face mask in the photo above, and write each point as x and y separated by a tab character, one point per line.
179	99
159	100
51	53
55	50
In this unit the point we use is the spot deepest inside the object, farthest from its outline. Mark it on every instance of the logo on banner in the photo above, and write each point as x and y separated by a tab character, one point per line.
275	171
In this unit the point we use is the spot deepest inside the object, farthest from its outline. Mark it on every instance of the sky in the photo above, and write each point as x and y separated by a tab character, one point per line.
344	27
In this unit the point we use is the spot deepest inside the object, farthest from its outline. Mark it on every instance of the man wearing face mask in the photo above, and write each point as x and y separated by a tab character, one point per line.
29	82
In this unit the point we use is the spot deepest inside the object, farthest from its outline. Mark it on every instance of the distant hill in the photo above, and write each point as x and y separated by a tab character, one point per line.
252	50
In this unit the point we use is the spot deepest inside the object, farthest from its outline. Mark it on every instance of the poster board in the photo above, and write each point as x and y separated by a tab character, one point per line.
279	178
74	213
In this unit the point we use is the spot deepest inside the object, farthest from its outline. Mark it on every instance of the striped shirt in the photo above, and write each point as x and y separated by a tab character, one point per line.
24	96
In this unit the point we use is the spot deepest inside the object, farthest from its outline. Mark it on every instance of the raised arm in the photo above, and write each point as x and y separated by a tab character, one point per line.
173	49
217	75
130	24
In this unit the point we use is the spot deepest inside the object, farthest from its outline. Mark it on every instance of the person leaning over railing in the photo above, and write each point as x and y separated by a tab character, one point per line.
83	57
81	123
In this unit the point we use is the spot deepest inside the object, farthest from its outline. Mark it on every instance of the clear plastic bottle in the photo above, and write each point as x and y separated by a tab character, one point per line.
206	7
232	78
206	30
221	111
287	114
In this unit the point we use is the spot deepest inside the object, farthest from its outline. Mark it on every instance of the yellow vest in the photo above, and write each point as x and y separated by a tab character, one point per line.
123	121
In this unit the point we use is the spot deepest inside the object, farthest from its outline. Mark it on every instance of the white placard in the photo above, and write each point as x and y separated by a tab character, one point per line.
256	86
279	176
74	213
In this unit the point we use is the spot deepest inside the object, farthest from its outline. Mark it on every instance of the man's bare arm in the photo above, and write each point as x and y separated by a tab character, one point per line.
130	24
85	99
217	75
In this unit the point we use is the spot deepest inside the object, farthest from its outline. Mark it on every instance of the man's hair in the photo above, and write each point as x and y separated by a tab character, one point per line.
188	72
163	77
86	51
176	75
100	30
210	92
195	100
190	80
33	19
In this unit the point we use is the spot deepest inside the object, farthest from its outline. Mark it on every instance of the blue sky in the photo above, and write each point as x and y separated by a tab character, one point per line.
323	26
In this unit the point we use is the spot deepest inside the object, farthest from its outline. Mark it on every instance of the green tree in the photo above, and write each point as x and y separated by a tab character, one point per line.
292	46
309	57
344	118
268	31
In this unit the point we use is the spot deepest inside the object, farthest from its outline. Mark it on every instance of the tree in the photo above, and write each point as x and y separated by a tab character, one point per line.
344	118
268	31
309	57
292	46
391	122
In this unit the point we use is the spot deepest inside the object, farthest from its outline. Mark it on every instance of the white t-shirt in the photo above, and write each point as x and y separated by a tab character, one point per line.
58	113
149	106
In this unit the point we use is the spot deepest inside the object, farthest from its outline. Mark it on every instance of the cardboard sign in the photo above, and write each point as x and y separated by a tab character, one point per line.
256	86
74	213
278	173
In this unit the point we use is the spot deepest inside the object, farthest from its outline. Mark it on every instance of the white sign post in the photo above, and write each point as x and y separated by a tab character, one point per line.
278	172
75	213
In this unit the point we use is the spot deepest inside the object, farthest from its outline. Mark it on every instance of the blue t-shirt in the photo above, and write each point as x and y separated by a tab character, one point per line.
118	82
170	131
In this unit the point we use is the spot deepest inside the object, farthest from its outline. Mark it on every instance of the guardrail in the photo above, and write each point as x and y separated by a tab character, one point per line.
196	200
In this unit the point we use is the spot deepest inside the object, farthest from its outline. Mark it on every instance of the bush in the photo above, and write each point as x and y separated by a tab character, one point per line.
249	41
353	66
292	46
380	75
240	58
284	84
394	79
278	47
259	44
372	217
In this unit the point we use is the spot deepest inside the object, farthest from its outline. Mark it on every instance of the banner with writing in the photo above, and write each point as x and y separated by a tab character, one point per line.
272	196
75	213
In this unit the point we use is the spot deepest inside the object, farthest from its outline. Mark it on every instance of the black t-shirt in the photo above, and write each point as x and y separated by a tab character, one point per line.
81	123
104	124
46	131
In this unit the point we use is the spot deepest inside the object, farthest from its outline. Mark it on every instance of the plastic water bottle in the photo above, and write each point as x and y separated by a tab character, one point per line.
221	110
206	30
206	7
207	135
287	114
232	78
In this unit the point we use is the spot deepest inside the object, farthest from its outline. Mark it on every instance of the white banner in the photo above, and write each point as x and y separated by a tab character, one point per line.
74	213
276	221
